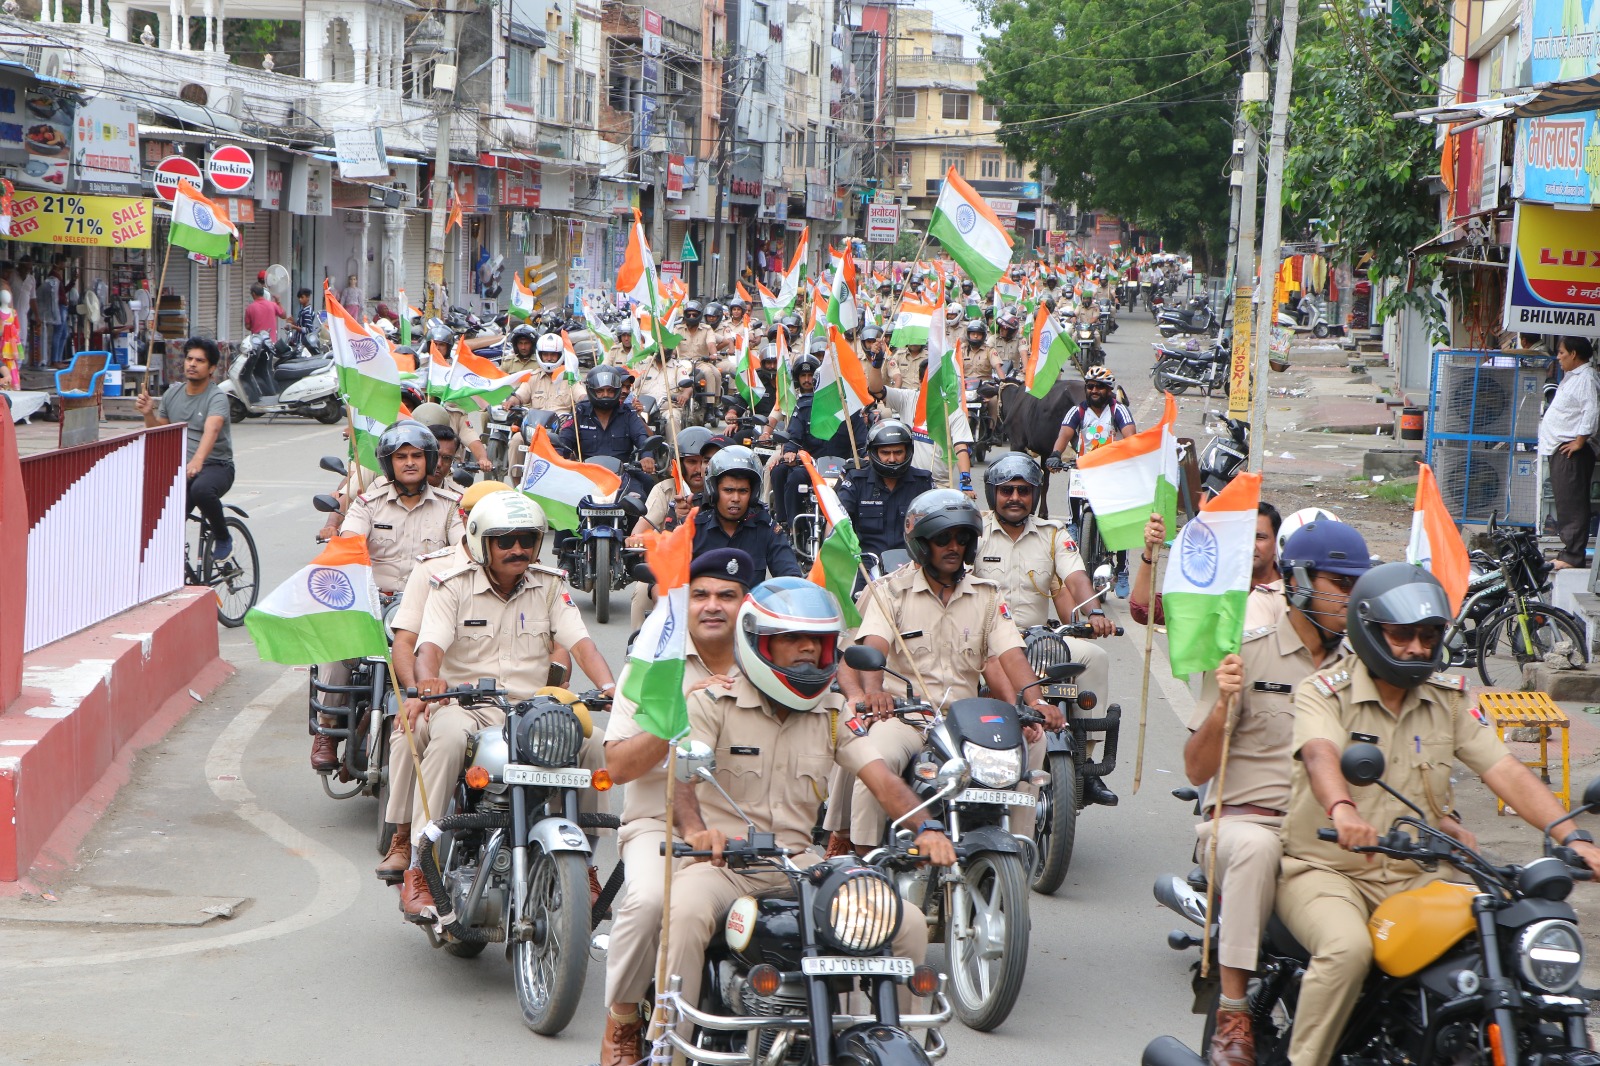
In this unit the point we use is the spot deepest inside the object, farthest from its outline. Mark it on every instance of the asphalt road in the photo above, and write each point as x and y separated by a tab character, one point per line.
315	962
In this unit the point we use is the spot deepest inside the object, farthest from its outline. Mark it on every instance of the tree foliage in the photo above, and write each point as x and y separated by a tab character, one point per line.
1128	102
1349	162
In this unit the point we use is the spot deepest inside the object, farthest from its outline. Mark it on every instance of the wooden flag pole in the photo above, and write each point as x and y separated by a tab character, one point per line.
1149	649
1216	831
658	1017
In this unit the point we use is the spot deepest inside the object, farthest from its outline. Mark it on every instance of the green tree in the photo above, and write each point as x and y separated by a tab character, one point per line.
1128	102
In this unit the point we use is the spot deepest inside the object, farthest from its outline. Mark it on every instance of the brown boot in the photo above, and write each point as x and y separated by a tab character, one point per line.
324	753
398	861
838	844
620	1045
414	896
1234	1043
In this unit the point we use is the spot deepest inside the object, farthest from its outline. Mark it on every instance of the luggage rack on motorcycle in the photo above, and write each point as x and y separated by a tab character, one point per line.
353	759
934	1044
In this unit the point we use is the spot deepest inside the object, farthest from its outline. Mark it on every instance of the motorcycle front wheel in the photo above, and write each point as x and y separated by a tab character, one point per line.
987	965
549	967
1056	827
1165	381
602	581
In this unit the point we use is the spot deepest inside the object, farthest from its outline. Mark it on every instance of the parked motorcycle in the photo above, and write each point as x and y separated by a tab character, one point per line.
1197	318
1179	369
508	860
980	905
1225	453
1462	973
596	558
274	378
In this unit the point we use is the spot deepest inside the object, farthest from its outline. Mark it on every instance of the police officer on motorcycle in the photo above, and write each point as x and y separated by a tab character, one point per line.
734	516
788	475
519	350
877	497
602	425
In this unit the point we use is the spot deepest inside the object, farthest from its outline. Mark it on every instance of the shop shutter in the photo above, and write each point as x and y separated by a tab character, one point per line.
416	255
203	315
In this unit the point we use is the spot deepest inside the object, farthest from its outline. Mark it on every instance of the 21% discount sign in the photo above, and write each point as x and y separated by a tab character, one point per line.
103	221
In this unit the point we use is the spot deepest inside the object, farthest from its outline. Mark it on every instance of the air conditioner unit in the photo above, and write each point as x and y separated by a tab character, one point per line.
226	102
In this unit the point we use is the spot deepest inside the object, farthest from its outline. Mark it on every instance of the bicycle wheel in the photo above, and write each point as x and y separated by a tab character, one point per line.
236	580
1514	638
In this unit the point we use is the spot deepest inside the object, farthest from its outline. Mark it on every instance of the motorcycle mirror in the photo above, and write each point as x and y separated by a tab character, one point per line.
686	383
953	776
1362	764
334	465
1104	581
632	504
652	443
462	477
642	573
694	756
1591	794
325	503
864	657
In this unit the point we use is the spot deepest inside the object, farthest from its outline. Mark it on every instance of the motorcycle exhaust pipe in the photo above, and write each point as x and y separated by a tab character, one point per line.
1174	893
1169	1051
1186	381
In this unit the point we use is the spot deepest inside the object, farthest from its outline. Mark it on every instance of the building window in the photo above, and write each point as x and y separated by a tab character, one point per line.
989	112
553	92
816	61
583	94
953	159
811	144
519	76
916	51
989	165
905	103
956	106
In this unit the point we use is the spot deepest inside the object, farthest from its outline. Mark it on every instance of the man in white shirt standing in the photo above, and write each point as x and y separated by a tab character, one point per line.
1564	433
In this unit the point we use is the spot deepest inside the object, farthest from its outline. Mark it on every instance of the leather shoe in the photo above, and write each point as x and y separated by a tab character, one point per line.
1234	1043
415	896
398	860
324	753
620	1044
838	844
1095	791
594	887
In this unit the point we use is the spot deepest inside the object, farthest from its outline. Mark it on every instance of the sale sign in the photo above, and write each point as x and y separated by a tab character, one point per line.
100	221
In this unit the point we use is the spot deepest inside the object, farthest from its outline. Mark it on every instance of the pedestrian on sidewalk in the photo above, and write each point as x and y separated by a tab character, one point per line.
1568	425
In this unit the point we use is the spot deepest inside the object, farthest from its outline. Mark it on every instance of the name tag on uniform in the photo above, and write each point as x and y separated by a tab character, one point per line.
743	750
380	525
991	558
911	634
476	622
1364	738
1268	686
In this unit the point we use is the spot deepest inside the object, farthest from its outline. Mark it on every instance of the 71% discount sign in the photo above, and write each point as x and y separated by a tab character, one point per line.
115	221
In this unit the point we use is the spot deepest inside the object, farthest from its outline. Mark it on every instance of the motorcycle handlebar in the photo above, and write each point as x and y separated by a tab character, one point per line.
1082	629
735	849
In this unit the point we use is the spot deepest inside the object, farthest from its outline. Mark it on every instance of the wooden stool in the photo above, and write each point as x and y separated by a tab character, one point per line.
1511	710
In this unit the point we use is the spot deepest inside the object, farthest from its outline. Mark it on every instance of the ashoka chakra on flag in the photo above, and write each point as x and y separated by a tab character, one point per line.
331	588
966	218
363	349
203	219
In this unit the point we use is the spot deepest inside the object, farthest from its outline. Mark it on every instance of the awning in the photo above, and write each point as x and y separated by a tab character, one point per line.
1552	98
191	114
167	133
505	160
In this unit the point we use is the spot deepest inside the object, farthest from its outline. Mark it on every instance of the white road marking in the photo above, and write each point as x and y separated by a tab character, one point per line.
338	883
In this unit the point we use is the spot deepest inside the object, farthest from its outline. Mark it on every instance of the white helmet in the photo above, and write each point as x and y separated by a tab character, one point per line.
500	513
1306	515
788	605
550	351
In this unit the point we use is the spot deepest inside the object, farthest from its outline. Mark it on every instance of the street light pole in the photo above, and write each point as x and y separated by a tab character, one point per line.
444	90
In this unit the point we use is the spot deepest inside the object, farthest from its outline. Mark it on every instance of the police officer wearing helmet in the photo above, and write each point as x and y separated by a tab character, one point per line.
1287	637
1006	347
875	351
699	337
1388	692
791	328
546	389
733	515
1036	564
519	350
666	507
777	737
956	628
497	616
876	498
603	425
788	475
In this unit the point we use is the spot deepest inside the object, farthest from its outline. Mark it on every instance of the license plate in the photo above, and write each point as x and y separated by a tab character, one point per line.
838	966
995	795
1075	485
528	775
1059	692
602	512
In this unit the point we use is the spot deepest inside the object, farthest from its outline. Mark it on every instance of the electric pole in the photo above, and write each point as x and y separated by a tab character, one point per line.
444	91
1253	90
1271	227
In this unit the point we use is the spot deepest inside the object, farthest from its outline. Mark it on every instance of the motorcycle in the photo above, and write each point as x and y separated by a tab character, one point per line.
498	428
778	978
1108	318
1307	317
596	558
270	378
810	526
1197	318
1462	973
1225	453
1090	352
508	861
1177	370
980	905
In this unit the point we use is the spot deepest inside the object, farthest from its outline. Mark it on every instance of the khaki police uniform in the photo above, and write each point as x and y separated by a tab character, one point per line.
402	773
483	635
978	364
541	392
902	403
698	344
1256	783
1326	894
466	424
949	643
398	535
776	770
512	363
1007	351
636	925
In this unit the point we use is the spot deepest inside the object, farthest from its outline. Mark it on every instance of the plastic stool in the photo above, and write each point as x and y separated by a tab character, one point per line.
1512	710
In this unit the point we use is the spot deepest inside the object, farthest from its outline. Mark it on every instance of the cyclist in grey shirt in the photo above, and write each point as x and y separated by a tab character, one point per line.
209	446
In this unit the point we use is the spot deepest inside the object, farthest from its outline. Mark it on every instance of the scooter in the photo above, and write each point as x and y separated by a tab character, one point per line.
1308	317
1197	318
266	379
1225	453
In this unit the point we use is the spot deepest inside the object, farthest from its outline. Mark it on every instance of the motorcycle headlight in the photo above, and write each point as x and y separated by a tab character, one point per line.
1550	954
548	734
858	909
993	768
389	616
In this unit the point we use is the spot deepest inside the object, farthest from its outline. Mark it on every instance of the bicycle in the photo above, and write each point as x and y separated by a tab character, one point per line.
236	580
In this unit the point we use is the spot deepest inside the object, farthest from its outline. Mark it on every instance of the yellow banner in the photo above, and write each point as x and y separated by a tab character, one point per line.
1239	370
103	221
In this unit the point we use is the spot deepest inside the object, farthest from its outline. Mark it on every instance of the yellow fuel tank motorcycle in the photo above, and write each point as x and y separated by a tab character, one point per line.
1480	971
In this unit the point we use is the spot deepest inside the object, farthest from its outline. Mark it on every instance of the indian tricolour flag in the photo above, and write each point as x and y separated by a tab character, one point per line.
653	677
1128	480
601	331
369	377
569	360
745	378
1208	579
787	399
842	309
773	307
636	278
327	612
1049	350
789	291
472	376
970	232
521	298
911	324
839	559
841	387
200	225
941	393
559	485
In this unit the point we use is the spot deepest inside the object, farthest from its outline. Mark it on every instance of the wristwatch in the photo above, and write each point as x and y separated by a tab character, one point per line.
930	825
1578	834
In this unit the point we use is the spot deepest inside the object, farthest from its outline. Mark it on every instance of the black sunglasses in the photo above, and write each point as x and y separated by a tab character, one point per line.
1013	490
507	541
962	537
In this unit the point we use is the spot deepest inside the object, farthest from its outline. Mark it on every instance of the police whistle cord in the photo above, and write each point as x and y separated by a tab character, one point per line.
1228	721
449	924
1149	649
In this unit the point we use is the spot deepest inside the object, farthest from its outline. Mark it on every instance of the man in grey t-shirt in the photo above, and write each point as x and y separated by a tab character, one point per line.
209	446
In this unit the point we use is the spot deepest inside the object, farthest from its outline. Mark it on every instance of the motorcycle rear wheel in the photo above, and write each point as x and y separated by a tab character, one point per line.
331	412
1164	379
986	969
602	581
1056	827
549	969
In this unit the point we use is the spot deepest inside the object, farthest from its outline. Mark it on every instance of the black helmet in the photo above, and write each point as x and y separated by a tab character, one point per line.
714	312
691	439
604	376
1396	594
734	461
935	511
966	285
1051	281
871	333
405	432
772	332
443	336
887	433
692	312
792	325
818	347
976	326
769	354
806	364
522	332
1010	467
